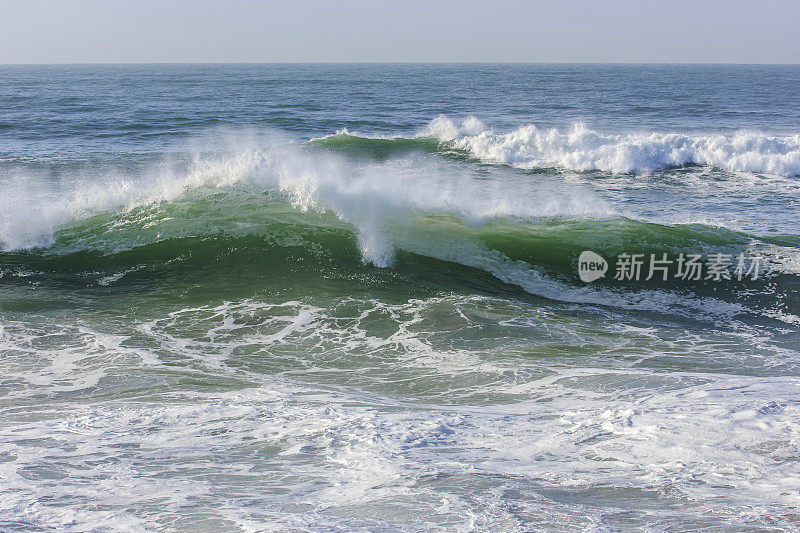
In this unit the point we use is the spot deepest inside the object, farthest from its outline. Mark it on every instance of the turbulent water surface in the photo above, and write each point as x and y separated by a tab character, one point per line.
343	297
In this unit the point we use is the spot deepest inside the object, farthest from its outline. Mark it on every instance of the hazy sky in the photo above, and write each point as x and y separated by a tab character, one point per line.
81	31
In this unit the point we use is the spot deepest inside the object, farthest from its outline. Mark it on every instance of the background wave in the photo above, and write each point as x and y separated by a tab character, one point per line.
582	149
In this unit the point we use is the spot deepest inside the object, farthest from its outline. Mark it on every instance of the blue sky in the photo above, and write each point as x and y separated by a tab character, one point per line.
92	31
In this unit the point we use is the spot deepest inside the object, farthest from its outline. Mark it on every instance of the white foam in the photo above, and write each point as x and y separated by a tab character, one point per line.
305	457
582	149
113	278
367	414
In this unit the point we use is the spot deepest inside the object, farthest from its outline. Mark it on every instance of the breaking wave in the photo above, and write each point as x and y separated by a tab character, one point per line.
582	149
371	197
294	208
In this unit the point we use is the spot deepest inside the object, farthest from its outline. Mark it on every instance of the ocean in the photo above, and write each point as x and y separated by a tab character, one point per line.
399	297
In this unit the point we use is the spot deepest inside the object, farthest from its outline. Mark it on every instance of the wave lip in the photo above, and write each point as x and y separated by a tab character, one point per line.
582	149
373	197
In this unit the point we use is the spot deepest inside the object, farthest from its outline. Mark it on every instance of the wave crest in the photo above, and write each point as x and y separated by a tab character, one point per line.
374	197
582	149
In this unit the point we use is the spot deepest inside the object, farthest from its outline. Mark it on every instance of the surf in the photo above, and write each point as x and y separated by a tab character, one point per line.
410	211
581	149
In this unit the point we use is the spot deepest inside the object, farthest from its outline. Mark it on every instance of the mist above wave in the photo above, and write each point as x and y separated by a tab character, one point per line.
368	195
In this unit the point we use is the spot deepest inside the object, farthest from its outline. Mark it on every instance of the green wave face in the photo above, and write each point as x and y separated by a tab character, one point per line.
380	148
226	245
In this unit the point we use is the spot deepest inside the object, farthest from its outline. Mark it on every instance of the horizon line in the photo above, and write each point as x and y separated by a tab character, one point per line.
357	62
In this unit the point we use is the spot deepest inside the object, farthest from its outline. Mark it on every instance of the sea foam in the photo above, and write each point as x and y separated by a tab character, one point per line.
581	149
